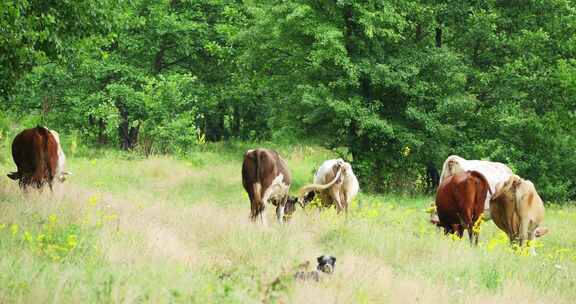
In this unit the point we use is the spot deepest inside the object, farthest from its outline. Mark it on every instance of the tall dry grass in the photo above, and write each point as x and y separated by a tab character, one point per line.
163	230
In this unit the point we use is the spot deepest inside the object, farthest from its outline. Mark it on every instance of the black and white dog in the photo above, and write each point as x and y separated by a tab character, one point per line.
326	265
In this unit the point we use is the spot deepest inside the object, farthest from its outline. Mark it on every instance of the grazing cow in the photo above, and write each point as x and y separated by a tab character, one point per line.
39	158
335	183
493	171
518	210
265	176
460	202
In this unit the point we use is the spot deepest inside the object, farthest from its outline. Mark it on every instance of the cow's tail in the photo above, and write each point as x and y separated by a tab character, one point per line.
446	169
45	155
318	187
481	195
483	178
258	205
14	175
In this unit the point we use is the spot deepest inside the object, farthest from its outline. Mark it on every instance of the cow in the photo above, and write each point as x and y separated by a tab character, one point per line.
335	183
518	210
39	158
460	202
266	178
494	172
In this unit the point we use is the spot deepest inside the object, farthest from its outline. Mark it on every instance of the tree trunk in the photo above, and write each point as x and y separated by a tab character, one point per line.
128	134
158	61
418	36
348	30
236	120
101	129
438	37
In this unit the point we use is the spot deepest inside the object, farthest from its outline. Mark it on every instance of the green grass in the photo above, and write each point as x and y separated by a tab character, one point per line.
124	229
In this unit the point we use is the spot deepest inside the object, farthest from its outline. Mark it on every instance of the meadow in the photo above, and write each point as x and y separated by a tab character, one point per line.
129	229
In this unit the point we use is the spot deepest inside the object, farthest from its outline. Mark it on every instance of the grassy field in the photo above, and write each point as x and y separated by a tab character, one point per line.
165	230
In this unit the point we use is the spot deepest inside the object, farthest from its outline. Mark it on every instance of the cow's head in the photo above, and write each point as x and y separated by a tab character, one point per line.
306	199
290	206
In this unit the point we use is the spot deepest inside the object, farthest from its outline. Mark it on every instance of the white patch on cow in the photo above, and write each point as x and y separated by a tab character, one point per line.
277	190
61	158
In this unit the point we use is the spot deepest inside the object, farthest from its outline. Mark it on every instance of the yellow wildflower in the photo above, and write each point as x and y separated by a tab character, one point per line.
72	241
14	229
92	200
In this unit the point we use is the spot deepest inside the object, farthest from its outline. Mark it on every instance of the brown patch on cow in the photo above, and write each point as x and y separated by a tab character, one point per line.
530	199
460	202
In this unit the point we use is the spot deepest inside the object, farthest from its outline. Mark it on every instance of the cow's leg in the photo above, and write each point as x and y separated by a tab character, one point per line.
511	238
253	212
531	237
257	211
344	200
476	236
523	232
335	194
262	215
280	209
469	224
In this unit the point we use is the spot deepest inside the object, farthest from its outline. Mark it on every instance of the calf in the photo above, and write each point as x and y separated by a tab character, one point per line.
335	183
38	157
518	210
265	176
460	202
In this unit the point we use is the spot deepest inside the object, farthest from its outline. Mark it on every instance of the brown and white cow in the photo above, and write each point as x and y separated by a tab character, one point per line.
38	157
518	210
266	177
335	183
460	202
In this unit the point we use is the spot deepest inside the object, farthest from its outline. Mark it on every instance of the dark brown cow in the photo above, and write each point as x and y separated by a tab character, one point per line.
460	202
38	157
265	176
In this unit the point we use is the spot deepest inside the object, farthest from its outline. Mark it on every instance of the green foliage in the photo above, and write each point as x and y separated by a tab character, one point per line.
370	79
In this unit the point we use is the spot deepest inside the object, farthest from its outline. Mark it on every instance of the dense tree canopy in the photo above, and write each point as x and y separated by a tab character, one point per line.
393	85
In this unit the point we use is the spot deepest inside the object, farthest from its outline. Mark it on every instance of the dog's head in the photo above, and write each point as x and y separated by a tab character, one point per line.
326	263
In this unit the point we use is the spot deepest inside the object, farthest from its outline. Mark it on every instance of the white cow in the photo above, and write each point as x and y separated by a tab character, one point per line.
335	183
